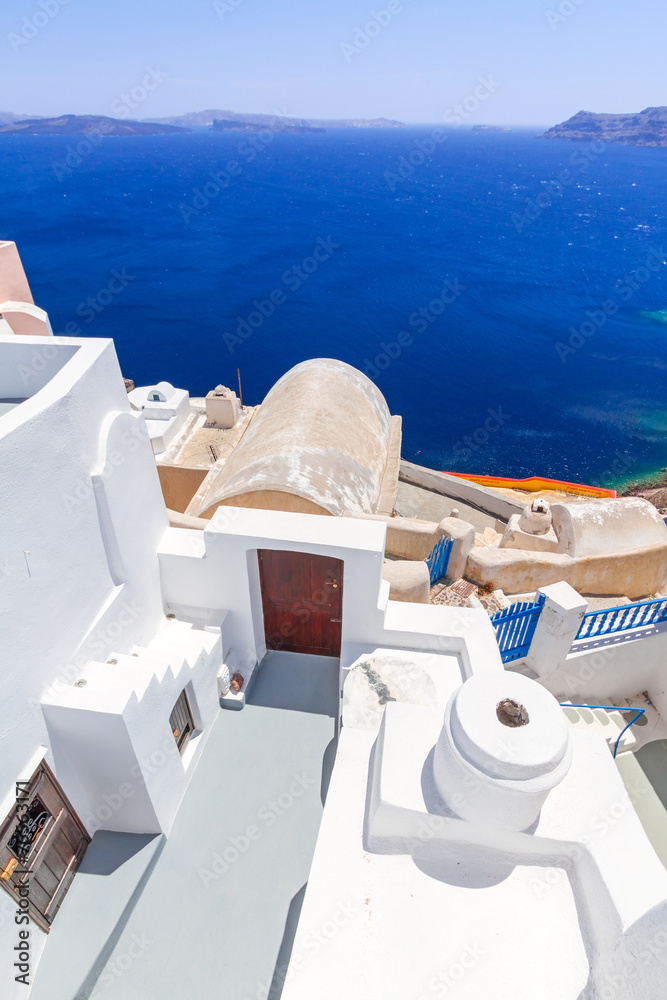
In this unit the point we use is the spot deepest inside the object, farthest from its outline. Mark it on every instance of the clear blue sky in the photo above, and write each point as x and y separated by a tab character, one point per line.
269	55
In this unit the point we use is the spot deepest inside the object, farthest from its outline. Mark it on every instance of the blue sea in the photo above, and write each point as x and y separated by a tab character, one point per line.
506	293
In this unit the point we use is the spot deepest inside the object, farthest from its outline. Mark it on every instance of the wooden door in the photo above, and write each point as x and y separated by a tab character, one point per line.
41	846
302	597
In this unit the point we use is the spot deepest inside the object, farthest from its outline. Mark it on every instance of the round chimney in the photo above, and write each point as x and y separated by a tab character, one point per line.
504	745
536	519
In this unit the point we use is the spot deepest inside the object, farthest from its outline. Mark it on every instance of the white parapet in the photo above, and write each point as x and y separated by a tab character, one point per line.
573	908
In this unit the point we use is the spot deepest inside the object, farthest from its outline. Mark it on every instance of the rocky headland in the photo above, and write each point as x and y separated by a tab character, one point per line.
646	128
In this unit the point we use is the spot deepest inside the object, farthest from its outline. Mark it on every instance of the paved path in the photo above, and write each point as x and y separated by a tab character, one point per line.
412	501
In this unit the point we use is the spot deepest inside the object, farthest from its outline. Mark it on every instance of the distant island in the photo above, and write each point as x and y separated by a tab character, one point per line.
226	125
273	123
647	128
80	124
217	121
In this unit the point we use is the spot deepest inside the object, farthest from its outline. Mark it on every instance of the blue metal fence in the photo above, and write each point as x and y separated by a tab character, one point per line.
438	560
515	627
628	616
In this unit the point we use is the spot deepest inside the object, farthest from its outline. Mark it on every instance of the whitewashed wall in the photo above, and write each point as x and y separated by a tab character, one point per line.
217	568
82	515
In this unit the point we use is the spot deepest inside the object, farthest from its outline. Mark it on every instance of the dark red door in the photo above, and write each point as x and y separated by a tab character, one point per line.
302	596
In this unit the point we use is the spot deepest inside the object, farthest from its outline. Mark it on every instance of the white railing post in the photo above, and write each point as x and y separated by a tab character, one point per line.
556	630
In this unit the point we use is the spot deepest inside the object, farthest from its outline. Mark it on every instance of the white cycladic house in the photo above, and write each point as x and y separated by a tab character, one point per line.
91	669
115	626
165	409
118	637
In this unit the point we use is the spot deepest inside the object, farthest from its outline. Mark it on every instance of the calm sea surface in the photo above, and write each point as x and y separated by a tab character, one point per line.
493	287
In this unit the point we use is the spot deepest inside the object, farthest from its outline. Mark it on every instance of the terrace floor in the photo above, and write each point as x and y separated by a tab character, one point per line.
210	911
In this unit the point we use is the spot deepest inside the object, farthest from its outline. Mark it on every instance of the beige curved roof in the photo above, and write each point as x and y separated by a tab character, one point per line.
321	435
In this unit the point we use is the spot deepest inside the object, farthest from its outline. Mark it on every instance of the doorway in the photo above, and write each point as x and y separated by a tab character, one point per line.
302	599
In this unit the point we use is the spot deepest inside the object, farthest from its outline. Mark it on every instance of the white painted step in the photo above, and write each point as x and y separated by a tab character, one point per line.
604	722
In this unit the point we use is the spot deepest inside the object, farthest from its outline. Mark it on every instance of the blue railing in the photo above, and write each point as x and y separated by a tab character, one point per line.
620	619
515	627
438	560
611	708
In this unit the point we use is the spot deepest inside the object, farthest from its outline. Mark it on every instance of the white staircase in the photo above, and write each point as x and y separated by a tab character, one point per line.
606	723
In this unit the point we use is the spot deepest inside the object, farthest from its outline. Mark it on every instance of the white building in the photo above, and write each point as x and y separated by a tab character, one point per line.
165	409
120	635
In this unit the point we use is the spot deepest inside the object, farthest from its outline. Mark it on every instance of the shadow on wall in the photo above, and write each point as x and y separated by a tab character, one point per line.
652	758
112	877
286	945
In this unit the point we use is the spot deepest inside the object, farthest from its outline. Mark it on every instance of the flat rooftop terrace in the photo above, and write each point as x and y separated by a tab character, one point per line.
211	910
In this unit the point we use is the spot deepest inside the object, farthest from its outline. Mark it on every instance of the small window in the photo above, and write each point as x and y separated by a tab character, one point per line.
180	720
156	398
28	829
42	842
